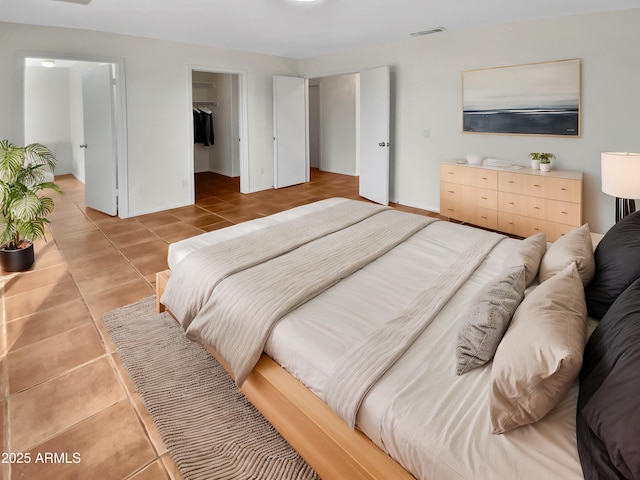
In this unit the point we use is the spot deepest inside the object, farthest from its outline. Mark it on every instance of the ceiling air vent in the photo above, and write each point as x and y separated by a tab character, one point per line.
428	32
79	2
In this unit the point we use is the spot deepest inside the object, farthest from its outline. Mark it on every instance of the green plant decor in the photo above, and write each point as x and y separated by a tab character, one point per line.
24	214
544	157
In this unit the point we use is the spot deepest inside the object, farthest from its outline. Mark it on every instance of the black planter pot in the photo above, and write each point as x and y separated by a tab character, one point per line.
17	260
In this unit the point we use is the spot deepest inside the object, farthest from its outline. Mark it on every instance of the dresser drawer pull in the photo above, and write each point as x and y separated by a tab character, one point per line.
450	173
564	213
483	216
483	198
510	181
510	223
450	209
536	229
451	191
483	178
563	189
536	185
536	208
511	203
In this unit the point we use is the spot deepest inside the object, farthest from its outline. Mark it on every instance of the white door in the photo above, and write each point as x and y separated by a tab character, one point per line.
375	102
290	131
99	140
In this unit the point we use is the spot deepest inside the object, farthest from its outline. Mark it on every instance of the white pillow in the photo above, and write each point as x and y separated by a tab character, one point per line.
528	252
540	355
576	246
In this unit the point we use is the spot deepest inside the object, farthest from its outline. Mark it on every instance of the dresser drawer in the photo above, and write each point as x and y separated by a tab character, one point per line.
483	217
471	176
527	226
541	208
470	213
553	188
481	197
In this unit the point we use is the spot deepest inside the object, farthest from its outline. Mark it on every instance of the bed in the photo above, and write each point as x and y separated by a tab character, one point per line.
409	295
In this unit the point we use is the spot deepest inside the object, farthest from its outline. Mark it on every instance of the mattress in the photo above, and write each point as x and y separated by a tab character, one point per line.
432	421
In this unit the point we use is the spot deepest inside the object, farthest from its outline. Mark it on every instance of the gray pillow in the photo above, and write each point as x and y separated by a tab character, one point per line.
489	316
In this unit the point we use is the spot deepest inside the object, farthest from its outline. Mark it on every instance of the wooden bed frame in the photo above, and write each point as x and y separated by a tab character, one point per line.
320	437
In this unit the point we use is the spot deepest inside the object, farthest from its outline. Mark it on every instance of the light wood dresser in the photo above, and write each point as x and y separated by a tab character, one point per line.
520	202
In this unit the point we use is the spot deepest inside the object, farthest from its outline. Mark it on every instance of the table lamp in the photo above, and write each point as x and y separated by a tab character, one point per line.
621	179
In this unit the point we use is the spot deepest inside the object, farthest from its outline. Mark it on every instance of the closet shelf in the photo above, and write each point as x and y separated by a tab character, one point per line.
214	104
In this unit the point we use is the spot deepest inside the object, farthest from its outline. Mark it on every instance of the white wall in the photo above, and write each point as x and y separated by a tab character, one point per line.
158	113
338	123
426	100
47	112
427	105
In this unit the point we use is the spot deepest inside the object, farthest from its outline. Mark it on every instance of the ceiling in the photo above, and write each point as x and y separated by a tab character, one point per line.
286	27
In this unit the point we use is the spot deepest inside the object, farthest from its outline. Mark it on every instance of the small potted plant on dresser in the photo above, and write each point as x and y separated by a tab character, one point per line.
23	214
541	160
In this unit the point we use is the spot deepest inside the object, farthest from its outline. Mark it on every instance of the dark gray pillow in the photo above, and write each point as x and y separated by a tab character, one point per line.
489	316
608	411
617	259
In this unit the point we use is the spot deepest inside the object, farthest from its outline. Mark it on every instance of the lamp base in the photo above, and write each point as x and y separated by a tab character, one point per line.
624	206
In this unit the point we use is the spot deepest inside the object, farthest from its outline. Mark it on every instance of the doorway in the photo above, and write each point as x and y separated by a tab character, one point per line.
334	123
216	153
373	94
217	102
51	95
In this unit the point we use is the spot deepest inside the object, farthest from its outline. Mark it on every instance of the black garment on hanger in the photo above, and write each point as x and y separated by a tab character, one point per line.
203	127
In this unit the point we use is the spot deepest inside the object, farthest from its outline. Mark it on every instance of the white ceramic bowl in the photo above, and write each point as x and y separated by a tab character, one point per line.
474	159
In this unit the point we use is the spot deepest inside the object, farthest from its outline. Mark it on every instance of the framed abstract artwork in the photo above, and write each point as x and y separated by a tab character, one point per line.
532	99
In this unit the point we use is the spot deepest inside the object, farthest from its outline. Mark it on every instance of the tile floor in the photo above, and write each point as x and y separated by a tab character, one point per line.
64	388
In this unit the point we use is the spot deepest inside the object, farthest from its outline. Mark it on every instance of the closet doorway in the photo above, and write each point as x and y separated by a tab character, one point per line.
217	105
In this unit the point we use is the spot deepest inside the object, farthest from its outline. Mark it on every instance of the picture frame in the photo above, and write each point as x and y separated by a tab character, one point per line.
530	99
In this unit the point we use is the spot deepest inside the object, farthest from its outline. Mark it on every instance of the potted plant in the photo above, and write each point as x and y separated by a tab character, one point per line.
541	160
23	214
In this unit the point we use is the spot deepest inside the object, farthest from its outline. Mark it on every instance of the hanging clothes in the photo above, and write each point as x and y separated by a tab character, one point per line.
203	126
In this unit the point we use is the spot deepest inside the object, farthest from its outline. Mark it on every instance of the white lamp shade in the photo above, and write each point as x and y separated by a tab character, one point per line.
621	174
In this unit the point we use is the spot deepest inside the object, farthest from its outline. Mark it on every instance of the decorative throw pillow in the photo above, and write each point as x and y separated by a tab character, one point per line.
576	246
608	413
529	253
489	316
540	355
617	259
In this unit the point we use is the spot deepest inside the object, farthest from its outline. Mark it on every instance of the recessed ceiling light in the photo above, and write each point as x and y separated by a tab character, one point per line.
48	63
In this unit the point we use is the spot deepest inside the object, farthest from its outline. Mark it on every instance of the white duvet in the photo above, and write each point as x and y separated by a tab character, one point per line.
433	422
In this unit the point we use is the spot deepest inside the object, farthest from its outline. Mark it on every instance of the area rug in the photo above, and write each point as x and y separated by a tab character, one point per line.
211	430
